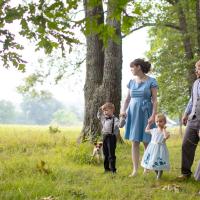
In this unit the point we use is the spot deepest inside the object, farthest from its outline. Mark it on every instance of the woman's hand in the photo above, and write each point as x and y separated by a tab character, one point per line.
123	114
151	120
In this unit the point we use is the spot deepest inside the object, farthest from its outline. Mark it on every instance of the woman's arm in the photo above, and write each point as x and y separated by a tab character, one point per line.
148	129
154	92
126	103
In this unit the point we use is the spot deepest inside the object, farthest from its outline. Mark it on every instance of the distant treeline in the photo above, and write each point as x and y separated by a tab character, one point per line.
41	111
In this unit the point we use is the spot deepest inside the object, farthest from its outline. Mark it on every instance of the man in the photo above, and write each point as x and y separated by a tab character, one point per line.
192	119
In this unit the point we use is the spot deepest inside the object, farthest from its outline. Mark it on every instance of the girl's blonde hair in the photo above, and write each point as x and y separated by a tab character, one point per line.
108	105
197	63
161	116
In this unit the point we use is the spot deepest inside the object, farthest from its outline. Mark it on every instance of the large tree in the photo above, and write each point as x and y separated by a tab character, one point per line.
103	66
53	24
104	54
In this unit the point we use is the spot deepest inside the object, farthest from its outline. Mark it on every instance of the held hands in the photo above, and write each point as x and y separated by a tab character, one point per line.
151	120
123	114
148	128
122	120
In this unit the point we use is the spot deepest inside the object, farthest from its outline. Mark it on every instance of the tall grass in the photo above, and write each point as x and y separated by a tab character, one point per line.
70	173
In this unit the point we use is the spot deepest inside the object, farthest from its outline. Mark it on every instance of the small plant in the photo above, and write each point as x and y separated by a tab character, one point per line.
54	129
41	167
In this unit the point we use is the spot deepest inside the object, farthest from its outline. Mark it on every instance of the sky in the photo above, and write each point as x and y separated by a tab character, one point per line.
71	90
134	46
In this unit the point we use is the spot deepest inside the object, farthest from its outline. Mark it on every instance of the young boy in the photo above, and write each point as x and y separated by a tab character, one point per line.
110	129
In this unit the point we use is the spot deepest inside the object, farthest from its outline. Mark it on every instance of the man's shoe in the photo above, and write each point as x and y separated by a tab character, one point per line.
183	177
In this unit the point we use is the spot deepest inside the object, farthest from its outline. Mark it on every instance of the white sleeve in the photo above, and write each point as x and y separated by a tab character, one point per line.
152	131
116	125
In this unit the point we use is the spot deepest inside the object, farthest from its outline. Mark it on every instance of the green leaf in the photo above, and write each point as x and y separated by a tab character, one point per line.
21	67
52	25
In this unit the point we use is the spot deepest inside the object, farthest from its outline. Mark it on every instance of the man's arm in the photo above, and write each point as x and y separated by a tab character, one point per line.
188	110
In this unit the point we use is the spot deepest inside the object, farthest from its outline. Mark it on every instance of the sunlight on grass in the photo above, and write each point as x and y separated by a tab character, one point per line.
36	164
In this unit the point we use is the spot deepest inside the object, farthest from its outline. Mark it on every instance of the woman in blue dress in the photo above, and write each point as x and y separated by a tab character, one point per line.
139	108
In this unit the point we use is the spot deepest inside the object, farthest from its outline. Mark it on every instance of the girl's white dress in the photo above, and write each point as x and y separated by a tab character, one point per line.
156	156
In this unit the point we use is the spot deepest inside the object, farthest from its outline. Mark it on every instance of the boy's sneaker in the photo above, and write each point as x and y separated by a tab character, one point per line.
107	171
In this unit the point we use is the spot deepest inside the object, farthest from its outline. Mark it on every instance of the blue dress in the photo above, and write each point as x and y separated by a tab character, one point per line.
156	156
139	110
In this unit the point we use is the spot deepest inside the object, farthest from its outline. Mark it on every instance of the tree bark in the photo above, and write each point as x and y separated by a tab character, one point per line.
112	76
103	72
94	73
187	46
198	25
111	86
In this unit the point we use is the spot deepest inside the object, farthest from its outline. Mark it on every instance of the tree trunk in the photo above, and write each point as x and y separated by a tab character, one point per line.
103	79
187	46
94	73
180	125
198	25
111	86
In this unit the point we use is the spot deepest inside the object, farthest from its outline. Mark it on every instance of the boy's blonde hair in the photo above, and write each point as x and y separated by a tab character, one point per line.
161	116
108	105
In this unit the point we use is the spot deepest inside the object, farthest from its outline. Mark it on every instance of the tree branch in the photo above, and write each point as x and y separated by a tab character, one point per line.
170	25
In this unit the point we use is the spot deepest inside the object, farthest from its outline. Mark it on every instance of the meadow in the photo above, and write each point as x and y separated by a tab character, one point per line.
36	165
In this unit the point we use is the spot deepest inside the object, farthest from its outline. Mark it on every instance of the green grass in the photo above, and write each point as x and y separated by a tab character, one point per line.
71	174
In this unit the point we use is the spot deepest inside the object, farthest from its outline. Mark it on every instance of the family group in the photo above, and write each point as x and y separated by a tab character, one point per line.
143	124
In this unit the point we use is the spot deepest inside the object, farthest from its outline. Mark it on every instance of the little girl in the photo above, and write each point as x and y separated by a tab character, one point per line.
156	156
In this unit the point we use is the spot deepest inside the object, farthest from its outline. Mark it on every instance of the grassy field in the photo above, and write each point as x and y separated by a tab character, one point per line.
35	164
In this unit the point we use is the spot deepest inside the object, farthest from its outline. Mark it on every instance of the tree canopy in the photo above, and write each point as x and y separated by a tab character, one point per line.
173	53
174	39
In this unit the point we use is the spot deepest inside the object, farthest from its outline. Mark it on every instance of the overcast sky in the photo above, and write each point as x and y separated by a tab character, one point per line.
71	90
